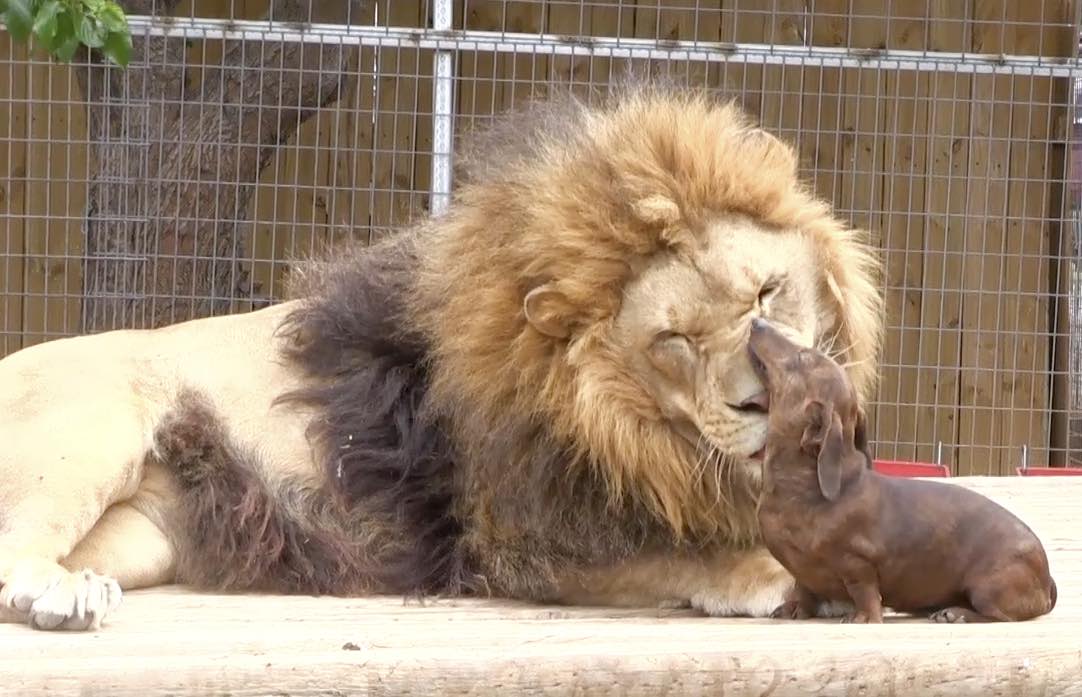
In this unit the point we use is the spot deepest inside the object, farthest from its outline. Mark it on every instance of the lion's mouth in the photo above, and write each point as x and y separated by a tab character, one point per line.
758	454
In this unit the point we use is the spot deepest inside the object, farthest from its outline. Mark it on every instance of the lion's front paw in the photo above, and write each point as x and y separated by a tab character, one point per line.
746	596
50	597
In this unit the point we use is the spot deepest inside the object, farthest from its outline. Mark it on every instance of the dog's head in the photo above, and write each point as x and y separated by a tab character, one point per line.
813	403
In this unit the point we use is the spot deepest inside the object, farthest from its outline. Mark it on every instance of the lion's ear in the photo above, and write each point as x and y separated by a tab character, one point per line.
549	311
657	210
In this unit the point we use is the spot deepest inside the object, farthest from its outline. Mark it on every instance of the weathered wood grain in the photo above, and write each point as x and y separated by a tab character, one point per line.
171	641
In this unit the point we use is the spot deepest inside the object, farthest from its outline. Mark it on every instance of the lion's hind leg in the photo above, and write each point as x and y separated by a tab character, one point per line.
61	465
125	549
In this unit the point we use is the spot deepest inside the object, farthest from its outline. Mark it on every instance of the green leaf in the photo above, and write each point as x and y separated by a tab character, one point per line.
66	43
45	22
112	18
118	48
91	32
66	47
61	26
19	18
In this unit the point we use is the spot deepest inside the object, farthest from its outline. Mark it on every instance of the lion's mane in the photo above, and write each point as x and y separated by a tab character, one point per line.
471	451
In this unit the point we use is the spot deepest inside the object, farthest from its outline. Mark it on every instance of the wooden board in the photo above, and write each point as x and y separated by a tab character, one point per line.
403	74
862	164
982	266
1024	353
781	87
175	642
945	193
55	202
905	135
13	132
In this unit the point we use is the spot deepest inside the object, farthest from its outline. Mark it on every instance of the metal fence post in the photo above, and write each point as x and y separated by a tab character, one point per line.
443	86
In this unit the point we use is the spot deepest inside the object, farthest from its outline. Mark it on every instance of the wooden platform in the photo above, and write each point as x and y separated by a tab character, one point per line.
175	642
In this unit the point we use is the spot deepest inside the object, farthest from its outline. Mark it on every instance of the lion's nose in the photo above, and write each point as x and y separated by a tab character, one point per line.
758	402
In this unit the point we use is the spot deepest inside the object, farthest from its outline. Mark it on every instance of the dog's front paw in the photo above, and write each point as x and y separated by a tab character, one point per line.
855	618
790	610
48	596
950	615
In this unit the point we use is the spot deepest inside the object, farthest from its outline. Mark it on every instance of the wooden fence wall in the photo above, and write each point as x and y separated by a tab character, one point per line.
958	176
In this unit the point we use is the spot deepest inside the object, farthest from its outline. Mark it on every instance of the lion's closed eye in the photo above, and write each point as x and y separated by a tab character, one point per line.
672	353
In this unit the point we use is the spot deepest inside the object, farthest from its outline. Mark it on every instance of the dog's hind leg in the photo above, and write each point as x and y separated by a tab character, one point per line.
1016	590
63	462
959	614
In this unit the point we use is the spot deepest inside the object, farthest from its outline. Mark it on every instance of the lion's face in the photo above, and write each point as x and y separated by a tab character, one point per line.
593	291
683	329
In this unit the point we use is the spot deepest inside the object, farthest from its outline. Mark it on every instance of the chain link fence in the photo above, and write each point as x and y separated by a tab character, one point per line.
246	135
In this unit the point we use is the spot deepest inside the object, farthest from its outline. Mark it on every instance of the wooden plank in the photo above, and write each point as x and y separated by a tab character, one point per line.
945	197
476	96
400	78
648	25
488	84
263	208
298	216
1066	441
352	168
1024	348
14	100
570	72
781	87
823	134
318	190
982	265
172	641
906	106
741	24
681	20
520	73
614	19
352	177
862	148
52	229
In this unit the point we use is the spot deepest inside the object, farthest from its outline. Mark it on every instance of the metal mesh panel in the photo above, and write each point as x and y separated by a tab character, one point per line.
186	185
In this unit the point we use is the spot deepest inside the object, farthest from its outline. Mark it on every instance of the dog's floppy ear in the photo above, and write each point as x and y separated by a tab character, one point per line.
817	417
831	457
824	438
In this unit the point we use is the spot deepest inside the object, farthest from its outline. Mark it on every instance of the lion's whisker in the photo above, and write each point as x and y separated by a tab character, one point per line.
828	343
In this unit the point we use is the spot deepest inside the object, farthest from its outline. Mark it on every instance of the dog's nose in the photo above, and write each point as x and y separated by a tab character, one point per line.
759	324
760	401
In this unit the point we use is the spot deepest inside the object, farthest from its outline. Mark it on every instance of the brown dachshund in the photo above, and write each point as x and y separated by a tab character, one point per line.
846	532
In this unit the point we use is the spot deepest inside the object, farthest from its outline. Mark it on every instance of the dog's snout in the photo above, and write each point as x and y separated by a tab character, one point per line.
759	324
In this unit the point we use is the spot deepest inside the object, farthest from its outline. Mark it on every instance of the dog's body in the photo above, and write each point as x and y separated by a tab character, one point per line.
846	532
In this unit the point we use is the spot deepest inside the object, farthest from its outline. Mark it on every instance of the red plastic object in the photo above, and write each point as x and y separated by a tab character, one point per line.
896	468
1049	471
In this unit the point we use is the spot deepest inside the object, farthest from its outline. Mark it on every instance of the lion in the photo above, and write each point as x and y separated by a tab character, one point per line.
542	394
